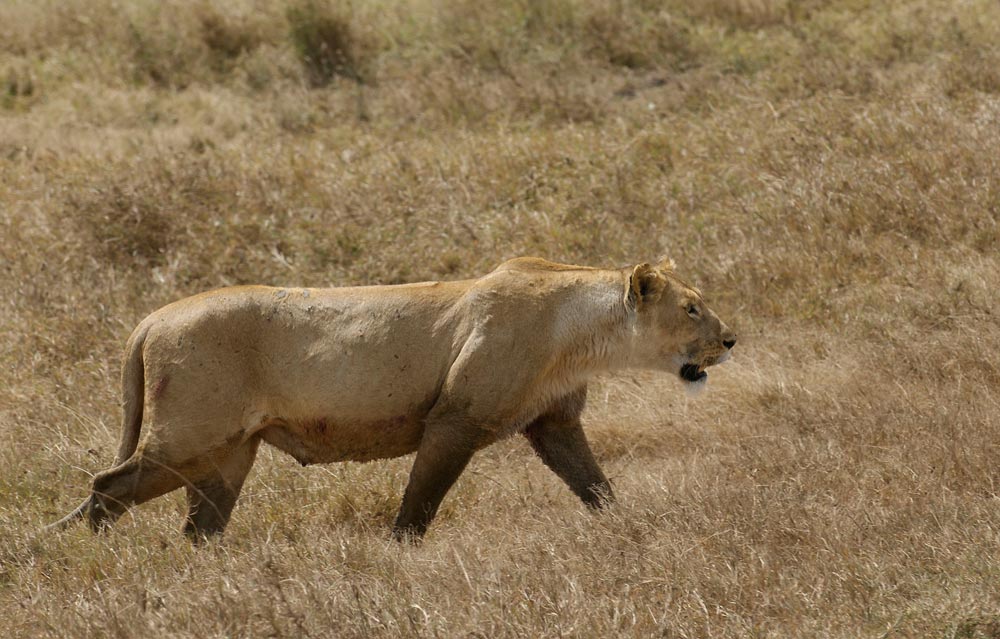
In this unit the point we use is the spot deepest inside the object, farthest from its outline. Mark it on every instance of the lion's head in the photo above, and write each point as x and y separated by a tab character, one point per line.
674	329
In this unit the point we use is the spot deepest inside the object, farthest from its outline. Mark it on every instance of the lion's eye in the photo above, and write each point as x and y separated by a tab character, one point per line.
692	310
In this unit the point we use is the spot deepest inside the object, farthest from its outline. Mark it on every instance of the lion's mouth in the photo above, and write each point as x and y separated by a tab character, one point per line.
692	373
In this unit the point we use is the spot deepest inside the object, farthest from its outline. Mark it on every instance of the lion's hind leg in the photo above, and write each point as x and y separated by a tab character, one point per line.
137	480
211	499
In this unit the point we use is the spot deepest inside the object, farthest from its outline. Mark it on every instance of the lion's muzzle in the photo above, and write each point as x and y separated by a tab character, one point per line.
692	373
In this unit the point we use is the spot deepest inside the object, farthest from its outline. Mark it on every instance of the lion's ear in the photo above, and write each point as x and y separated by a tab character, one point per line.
667	264
644	285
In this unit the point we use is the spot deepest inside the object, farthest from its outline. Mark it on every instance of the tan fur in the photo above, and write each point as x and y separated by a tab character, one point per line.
363	373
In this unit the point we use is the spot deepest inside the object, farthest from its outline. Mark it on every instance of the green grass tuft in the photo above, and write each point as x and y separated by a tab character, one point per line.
327	43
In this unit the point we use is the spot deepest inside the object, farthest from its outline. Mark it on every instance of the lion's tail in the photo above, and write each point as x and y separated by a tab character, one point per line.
133	387
70	518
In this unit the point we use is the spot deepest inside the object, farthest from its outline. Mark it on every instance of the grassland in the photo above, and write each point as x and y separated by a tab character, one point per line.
828	172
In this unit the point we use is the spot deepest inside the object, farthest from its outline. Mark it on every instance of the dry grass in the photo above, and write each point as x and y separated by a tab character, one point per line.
826	171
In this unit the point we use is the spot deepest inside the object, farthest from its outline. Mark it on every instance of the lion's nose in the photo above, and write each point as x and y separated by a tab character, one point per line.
729	343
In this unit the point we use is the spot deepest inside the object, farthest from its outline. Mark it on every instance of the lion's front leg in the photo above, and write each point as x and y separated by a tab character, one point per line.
558	439
445	449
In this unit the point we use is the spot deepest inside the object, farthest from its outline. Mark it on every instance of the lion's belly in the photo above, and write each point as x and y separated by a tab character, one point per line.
322	440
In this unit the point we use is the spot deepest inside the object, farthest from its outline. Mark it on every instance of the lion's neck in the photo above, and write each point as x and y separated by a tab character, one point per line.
590	337
596	340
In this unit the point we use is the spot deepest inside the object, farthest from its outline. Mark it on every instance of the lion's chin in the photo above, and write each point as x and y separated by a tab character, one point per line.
692	374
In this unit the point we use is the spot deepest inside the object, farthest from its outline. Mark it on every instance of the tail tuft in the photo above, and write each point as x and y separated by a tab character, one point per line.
77	513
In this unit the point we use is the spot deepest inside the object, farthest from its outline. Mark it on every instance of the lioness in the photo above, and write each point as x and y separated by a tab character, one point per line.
362	373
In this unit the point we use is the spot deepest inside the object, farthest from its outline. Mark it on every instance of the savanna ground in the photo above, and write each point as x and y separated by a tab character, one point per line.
828	172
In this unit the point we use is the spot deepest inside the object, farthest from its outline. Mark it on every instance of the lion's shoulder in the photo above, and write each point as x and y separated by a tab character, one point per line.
538	264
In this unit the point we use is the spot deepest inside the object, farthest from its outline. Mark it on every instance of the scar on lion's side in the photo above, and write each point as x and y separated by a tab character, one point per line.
160	387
